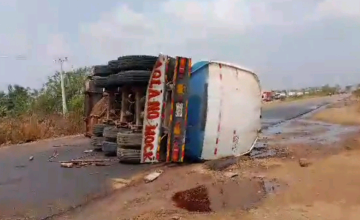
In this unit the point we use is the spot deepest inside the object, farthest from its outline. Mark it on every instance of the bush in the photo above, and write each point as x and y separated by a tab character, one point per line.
27	128
356	93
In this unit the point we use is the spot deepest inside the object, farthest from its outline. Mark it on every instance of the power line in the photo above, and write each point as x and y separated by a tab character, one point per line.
61	61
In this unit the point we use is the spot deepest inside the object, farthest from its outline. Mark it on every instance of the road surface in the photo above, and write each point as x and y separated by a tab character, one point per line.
282	112
39	188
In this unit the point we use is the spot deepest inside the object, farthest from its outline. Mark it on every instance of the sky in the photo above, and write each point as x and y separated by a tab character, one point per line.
288	43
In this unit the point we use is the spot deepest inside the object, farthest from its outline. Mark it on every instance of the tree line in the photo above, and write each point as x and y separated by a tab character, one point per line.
19	100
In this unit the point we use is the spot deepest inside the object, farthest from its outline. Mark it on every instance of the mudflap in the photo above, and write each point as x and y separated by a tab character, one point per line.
179	110
154	104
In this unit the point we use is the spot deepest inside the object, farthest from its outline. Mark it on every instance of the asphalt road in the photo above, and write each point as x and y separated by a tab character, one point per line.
275	114
39	188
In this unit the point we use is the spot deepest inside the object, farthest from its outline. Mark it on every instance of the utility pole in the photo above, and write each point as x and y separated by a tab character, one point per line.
61	61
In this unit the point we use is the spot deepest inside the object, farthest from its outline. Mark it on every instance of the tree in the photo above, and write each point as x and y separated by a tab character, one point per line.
326	89
47	100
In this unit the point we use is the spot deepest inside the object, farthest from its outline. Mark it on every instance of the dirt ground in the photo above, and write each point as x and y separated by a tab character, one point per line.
345	113
303	180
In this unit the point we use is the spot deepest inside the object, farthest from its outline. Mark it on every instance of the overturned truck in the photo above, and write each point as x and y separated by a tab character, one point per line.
148	109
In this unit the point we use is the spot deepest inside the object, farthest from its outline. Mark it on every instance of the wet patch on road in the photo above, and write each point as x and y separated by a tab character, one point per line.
307	131
244	194
299	131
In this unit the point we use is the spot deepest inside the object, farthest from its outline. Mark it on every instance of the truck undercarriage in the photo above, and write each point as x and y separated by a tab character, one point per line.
136	108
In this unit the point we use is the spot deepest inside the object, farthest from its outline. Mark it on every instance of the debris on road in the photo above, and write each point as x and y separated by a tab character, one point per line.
53	156
88	151
153	176
230	174
31	158
85	162
303	162
67	165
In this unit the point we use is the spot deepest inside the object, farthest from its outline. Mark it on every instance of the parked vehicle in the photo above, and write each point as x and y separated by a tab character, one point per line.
267	96
164	109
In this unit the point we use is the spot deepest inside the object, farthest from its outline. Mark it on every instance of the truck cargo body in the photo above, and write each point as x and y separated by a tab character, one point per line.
224	111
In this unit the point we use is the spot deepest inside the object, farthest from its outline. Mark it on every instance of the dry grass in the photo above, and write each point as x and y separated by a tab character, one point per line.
29	128
348	114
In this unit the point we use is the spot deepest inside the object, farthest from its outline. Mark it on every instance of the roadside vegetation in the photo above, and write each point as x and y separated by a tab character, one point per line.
31	114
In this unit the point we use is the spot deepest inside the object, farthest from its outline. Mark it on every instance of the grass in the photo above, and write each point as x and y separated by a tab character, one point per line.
346	114
29	128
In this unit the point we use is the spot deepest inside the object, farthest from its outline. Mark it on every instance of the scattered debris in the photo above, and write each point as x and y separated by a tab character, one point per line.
31	158
67	165
53	156
230	174
303	162
153	176
85	162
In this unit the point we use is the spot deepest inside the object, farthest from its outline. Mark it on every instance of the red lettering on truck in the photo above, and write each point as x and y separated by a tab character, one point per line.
152	113
153	110
149	141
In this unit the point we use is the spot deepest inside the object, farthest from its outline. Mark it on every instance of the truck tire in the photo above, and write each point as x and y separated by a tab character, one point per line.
110	132
129	139
129	156
131	77
98	130
114	66
101	70
100	82
137	62
109	148
96	143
